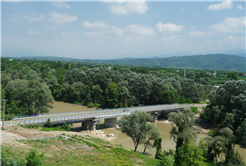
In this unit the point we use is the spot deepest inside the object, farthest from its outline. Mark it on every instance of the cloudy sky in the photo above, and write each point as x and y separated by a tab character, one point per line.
102	30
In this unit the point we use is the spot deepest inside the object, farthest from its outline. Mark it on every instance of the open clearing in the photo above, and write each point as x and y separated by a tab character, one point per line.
60	106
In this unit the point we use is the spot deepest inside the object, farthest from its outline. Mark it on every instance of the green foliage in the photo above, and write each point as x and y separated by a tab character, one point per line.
194	110
34	159
169	96
190	154
32	126
63	127
213	133
112	95
183	131
48	123
151	134
232	75
9	162
157	144
90	105
134	126
241	131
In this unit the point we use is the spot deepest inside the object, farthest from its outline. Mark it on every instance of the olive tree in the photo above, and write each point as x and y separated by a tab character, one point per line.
151	134
134	126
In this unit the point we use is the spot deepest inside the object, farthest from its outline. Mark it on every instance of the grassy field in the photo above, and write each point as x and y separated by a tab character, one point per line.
77	150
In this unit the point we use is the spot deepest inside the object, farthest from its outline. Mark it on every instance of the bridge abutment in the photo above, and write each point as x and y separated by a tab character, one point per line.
88	125
111	122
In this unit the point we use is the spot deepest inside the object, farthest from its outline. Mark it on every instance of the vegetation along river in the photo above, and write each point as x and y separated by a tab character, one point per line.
167	142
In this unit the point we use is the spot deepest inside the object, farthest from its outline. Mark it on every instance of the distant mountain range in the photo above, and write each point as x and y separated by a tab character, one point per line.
210	61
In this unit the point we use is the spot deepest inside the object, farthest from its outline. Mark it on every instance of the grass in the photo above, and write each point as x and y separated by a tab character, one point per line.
53	129
58	151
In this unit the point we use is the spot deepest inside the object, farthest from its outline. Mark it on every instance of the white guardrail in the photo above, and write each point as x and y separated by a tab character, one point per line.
97	115
83	112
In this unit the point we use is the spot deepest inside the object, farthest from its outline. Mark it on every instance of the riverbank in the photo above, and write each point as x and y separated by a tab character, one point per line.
69	148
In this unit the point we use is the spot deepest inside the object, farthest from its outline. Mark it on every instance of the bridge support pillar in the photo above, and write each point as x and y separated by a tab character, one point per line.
155	115
111	122
88	125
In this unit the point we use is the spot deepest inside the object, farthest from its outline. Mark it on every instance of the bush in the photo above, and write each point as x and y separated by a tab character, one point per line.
48	123
34	159
203	116
32	126
8	117
9	162
194	110
90	105
213	133
97	105
65	126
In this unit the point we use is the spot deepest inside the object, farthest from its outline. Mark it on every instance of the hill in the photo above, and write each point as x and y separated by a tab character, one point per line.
210	61
225	62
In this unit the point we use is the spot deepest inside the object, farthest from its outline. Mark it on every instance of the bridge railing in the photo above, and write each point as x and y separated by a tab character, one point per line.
95	115
81	112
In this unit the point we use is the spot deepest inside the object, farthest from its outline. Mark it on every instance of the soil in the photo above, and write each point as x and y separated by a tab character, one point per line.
201	126
60	106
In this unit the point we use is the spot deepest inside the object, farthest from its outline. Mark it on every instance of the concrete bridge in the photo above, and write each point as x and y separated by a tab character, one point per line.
89	119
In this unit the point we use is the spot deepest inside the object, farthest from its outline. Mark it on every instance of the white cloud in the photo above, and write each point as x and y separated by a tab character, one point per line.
197	33
172	38
59	18
61	5
32	31
169	27
90	34
99	24
117	31
230	24
224	5
195	14
69	34
182	8
239	6
32	17
123	8
232	39
107	29
140	29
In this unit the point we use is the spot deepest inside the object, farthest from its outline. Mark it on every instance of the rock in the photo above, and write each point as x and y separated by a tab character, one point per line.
112	135
96	132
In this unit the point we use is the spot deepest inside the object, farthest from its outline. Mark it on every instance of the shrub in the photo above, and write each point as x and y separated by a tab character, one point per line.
203	116
213	133
9	162
97	105
90	105
194	110
32	126
48	123
33	158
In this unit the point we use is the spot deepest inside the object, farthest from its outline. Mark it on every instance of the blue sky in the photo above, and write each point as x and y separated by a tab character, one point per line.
102	30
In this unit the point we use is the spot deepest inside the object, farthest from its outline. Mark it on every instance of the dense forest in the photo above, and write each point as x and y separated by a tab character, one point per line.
30	86
206	62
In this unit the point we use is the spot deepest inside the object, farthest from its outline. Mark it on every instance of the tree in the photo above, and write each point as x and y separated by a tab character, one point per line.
151	133
97	92
183	131
157	144
134	126
241	131
232	75
169	96
112	95
45	74
191	75
190	154
37	95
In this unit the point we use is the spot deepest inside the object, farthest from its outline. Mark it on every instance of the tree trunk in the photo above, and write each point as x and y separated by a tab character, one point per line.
144	149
